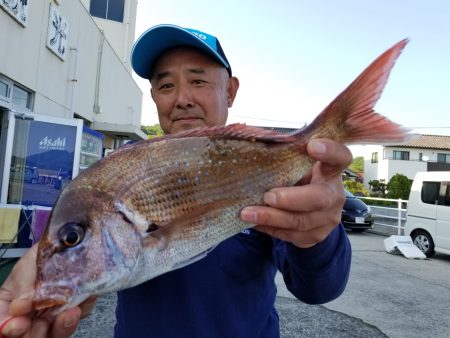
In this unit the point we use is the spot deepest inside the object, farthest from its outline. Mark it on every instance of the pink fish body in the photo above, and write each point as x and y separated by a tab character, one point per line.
161	204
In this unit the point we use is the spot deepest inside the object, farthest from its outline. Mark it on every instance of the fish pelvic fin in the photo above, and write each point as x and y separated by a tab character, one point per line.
350	117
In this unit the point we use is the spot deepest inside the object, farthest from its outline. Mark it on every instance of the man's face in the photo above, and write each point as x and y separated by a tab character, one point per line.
191	90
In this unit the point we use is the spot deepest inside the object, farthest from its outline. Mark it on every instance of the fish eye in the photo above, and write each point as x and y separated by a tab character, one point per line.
71	234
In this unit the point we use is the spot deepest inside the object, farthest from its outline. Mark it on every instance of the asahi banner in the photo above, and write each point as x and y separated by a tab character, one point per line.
42	161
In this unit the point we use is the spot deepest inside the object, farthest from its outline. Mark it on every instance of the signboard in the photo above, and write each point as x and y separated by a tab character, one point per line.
18	9
41	163
403	245
58	32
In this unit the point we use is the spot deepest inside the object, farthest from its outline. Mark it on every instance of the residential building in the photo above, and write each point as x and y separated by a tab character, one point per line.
424	153
65	85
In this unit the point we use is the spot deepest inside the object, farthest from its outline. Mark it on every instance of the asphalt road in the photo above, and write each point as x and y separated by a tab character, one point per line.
387	296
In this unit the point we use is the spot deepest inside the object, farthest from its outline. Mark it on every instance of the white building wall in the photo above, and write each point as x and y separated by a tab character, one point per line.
62	88
119	34
388	167
372	171
407	168
129	98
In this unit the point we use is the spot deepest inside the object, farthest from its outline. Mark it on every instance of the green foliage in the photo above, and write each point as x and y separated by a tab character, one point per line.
356	187
152	131
378	188
357	164
399	187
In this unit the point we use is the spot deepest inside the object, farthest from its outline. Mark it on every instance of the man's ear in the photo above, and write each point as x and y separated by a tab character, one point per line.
151	94
233	86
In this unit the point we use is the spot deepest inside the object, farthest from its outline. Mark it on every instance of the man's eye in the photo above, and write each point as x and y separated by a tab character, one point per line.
165	86
198	82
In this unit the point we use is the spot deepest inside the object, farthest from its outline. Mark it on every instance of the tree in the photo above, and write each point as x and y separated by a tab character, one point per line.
356	187
152	131
399	187
378	188
357	164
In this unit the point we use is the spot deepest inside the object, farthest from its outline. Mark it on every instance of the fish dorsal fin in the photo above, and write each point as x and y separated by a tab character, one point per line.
238	131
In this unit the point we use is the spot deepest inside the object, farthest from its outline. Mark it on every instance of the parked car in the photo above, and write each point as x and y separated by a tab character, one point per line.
27	174
428	214
356	215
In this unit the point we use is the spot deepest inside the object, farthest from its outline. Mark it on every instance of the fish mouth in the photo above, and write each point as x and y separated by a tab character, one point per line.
52	298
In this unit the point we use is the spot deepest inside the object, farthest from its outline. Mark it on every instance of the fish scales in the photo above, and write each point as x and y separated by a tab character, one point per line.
208	174
157	205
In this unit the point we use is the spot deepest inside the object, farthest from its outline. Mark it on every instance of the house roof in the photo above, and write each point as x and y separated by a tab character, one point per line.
426	142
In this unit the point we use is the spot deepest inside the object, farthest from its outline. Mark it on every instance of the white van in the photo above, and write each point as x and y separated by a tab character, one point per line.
428	215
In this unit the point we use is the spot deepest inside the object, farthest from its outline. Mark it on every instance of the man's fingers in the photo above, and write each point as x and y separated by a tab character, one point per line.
305	198
66	323
15	326
329	152
87	306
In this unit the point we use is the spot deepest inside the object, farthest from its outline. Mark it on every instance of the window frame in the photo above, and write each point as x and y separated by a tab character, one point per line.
374	157
404	155
446	157
8	102
107	11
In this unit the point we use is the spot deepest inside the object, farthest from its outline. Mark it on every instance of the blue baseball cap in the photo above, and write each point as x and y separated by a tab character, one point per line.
160	38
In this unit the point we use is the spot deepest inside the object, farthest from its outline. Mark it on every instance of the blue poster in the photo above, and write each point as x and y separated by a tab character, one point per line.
42	162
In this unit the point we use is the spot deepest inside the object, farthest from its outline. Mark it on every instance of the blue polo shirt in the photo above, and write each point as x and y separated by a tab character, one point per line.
231	292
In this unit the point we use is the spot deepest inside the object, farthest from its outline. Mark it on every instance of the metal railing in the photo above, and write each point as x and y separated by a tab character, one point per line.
388	220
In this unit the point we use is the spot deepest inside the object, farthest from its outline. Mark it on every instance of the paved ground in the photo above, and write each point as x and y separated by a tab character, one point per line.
387	296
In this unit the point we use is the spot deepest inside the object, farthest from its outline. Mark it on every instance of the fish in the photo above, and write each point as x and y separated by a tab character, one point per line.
160	204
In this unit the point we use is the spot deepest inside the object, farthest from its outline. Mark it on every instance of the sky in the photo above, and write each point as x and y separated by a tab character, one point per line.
294	57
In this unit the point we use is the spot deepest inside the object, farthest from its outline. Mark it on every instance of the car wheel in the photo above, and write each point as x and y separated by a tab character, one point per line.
34	181
424	242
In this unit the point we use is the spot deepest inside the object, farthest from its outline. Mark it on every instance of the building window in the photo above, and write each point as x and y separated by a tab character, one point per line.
4	90
14	96
21	98
108	9
401	155
443	158
374	157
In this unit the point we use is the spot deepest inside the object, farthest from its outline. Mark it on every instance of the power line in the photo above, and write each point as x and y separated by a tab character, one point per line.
429	127
258	118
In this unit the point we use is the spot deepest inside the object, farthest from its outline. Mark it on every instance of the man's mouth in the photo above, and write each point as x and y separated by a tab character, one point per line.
186	118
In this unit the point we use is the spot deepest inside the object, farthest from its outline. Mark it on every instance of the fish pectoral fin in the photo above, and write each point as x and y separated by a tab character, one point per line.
193	259
187	226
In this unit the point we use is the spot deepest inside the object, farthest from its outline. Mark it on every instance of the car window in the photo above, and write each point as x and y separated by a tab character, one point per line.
348	194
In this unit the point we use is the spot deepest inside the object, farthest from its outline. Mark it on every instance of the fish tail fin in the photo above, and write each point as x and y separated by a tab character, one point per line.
350	117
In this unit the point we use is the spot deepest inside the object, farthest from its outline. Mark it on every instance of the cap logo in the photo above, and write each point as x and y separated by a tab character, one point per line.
201	36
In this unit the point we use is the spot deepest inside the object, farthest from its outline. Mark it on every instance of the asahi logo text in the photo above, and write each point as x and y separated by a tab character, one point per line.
48	143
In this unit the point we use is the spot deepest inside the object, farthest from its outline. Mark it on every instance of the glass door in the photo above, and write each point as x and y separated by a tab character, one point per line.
40	152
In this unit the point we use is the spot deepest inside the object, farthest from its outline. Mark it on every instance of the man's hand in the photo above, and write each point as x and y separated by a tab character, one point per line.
16	306
306	214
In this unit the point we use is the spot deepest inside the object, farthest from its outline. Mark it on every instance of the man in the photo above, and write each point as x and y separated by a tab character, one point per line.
231	292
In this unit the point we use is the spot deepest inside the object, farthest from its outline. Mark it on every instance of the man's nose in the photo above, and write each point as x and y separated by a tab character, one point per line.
184	98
